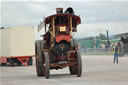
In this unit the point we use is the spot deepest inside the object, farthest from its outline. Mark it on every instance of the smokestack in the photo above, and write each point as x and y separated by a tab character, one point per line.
69	10
59	10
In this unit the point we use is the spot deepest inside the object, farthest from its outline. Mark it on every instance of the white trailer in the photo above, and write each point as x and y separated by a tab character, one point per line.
17	45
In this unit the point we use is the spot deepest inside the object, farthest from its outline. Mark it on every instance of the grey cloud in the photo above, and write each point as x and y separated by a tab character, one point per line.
96	16
25	13
104	12
86	30
90	12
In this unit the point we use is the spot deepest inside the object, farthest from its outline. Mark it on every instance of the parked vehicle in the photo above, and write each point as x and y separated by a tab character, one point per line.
17	46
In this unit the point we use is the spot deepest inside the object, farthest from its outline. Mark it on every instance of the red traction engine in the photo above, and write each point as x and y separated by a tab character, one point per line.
58	49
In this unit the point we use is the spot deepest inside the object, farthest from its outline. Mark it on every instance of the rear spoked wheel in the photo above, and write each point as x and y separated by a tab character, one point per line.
39	65
39	59
46	65
79	65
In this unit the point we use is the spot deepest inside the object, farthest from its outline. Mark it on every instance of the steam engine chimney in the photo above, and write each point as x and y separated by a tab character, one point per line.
69	10
59	10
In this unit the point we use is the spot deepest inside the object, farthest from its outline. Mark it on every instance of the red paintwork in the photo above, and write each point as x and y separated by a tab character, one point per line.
60	25
63	37
24	60
3	59
21	56
76	19
72	55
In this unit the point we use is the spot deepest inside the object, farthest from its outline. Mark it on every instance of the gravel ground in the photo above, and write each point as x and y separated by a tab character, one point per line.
97	70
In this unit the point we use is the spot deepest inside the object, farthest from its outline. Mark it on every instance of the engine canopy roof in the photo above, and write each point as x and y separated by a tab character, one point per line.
75	19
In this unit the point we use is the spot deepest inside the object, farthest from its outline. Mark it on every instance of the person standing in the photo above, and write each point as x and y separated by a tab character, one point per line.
116	53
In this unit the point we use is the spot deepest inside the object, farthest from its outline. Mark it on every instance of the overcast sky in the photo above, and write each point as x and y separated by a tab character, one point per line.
97	16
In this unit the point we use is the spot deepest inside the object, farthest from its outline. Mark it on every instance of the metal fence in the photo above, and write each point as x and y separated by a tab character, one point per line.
96	51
